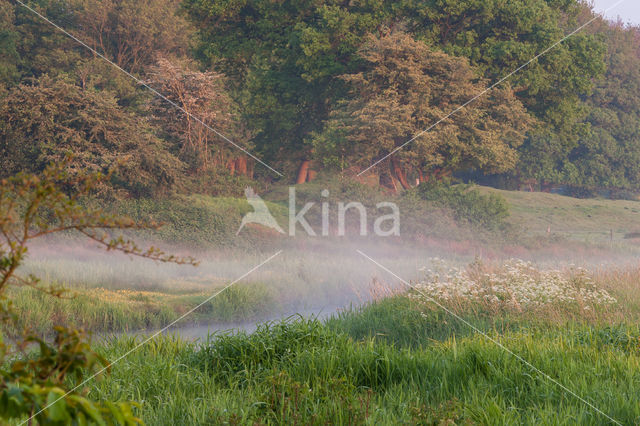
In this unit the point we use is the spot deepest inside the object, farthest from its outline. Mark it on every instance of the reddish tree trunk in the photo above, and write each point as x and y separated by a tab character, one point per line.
394	184
399	173
439	174
421	177
303	172
241	165
231	166
311	175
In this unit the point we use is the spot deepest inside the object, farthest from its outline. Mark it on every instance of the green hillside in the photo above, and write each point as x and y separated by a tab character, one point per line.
575	218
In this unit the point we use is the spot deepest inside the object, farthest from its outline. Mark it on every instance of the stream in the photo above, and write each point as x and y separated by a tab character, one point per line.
201	331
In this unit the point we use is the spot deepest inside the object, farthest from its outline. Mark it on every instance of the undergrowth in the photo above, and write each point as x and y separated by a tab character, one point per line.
384	364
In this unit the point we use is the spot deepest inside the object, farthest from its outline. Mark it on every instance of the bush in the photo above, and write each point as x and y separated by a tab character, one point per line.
467	203
624	194
42	123
36	372
576	191
219	183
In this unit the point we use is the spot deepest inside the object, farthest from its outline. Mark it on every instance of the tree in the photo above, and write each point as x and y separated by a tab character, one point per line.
37	48
133	32
283	59
407	87
39	382
288	76
129	33
499	36
8	44
43	122
610	154
202	95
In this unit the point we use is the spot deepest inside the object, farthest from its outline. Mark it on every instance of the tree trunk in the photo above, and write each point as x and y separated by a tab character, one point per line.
421	177
399	173
303	172
231	166
439	174
386	181
250	168
394	183
241	165
311	175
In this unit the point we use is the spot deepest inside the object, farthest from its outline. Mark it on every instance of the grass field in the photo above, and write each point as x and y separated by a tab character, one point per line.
590	220
396	359
305	373
401	359
116	294
120	294
202	221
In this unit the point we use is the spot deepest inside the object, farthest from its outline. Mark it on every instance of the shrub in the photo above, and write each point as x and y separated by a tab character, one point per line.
624	194
35	372
577	191
42	123
467	203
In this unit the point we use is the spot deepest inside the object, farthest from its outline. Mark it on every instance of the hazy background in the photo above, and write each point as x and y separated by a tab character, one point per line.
628	11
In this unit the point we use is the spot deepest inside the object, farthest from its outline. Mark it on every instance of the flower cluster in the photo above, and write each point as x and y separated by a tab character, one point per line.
516	284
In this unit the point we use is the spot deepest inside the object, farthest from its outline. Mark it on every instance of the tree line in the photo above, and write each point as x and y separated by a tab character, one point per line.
320	86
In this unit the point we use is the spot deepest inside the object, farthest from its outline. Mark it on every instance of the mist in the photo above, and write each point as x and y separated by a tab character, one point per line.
312	277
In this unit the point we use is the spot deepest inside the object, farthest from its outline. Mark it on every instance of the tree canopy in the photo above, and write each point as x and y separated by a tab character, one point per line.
53	118
610	154
295	81
406	88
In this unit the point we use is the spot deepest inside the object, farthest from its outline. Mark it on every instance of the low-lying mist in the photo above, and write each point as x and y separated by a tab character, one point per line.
308	276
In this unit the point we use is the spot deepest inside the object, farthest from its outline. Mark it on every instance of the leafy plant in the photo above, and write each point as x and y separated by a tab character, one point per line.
38	384
202	95
406	87
44	121
467	203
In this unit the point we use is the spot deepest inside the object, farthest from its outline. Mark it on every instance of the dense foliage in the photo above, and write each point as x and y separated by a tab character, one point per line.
52	118
407	88
467	203
610	154
336	84
35	372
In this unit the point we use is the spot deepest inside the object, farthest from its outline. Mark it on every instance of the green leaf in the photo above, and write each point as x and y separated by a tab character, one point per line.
58	409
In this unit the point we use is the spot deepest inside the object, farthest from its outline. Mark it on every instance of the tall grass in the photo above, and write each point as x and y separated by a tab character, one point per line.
397	360
125	295
122	294
303	372
101	310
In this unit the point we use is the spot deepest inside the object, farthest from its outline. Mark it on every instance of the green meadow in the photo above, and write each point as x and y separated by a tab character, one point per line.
552	345
387	363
